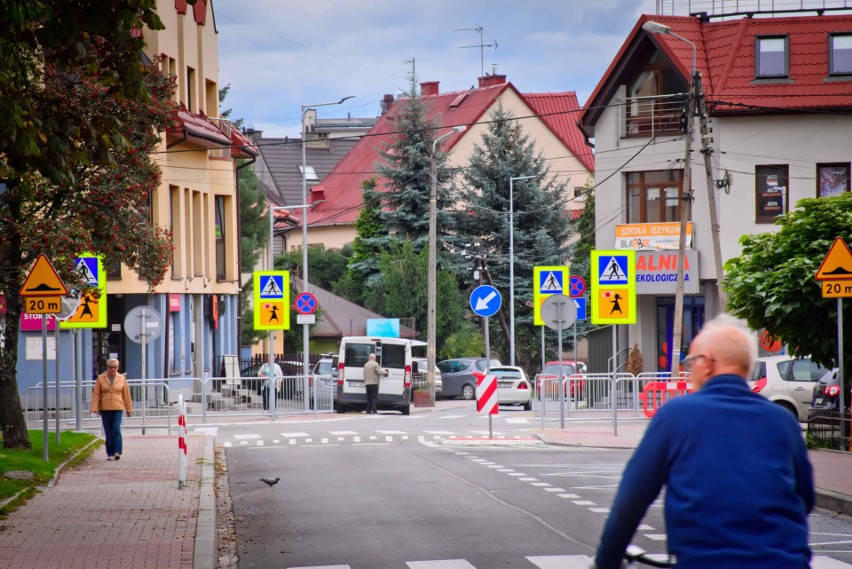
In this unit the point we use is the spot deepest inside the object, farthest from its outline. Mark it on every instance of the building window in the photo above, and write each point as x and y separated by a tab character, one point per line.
654	197
656	98
578	192
220	237
176	228
771	192
832	179
840	54
309	173
770	57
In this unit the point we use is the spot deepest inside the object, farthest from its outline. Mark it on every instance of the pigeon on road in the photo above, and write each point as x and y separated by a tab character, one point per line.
270	481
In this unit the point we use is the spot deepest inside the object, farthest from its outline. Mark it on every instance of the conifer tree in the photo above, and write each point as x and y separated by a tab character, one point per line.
541	227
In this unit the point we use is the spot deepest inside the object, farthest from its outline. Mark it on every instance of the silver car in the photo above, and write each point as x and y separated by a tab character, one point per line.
458	375
787	381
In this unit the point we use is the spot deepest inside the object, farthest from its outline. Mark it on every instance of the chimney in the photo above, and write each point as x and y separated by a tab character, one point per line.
491	80
429	88
387	103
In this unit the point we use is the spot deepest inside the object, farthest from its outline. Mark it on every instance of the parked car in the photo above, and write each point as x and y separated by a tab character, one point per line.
824	420
564	369
324	374
826	394
457	374
788	381
420	375
513	387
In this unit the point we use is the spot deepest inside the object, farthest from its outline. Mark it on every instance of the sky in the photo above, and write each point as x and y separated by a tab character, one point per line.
278	55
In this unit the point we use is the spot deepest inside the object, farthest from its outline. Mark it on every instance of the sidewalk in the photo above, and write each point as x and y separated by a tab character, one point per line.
127	513
831	468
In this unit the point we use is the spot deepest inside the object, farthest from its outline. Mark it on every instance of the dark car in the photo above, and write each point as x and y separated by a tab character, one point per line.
824	419
458	376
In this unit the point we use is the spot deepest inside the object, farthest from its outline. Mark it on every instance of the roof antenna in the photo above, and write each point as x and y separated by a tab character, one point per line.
481	46
412	76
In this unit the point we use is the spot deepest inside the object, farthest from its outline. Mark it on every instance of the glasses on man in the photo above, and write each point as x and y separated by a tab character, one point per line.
688	361
112	367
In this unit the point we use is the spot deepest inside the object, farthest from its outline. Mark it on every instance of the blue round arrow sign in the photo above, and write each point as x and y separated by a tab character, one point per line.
485	301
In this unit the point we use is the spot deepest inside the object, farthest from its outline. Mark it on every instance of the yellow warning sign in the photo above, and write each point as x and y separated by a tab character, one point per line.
837	265
43	304
89	309
43	280
836	289
272	314
614	305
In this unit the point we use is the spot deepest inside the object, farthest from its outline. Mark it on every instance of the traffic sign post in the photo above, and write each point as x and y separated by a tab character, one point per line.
271	295
613	287
306	303
142	324
485	301
487	402
835	272
559	312
576	286
92	308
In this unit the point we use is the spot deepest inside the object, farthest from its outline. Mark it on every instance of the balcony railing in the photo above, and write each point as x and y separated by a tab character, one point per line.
649	116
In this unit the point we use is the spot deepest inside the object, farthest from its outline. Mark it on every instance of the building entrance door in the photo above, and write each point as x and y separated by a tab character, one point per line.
693	320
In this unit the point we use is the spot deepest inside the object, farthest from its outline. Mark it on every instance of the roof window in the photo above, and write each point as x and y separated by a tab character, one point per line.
771	58
310	173
840	54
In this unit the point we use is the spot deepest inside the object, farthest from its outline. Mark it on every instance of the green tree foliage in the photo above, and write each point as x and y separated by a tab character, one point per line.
325	266
78	121
541	225
771	284
406	168
254	219
401	292
366	249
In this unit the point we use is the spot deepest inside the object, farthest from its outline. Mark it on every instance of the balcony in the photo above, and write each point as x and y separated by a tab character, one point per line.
644	117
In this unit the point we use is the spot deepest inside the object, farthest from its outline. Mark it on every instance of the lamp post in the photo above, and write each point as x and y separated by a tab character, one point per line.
306	327
431	293
677	324
512	264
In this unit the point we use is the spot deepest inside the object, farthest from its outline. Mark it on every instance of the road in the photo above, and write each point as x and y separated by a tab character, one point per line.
386	491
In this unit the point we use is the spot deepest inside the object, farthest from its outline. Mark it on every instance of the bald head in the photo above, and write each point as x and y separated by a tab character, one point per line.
372	357
723	346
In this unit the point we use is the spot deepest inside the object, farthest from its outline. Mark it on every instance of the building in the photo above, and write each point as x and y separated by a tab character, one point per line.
197	302
777	92
548	118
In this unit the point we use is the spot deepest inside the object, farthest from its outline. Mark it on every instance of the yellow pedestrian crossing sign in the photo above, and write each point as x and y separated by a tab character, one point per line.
613	287
92	311
272	300
547	281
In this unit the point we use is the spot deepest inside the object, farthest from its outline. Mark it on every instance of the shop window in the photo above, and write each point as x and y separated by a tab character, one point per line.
772	193
832	179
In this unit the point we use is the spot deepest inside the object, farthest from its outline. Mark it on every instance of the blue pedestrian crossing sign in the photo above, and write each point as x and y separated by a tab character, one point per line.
613	270
551	282
271	286
485	301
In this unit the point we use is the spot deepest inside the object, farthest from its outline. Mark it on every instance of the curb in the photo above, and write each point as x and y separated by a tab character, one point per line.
490	442
833	501
205	554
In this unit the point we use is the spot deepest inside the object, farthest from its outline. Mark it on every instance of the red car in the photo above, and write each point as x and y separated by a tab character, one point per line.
564	369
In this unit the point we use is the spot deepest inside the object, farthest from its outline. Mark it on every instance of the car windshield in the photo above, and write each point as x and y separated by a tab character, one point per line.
323	367
507	374
556	369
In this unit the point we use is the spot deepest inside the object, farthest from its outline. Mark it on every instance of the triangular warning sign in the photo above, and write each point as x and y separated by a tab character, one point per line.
43	280
837	265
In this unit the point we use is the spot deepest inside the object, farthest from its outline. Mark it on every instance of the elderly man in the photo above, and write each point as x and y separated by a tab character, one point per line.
372	373
739	486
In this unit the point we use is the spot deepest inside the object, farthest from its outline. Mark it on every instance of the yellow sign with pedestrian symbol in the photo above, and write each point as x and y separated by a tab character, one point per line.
272	300
613	287
92	312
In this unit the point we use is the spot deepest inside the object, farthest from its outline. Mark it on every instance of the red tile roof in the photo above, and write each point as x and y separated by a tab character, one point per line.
242	146
726	59
199	130
341	188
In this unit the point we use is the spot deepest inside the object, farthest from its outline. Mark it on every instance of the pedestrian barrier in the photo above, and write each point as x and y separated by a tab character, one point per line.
656	393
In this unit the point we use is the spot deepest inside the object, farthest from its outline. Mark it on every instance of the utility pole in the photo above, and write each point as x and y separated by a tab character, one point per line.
707	152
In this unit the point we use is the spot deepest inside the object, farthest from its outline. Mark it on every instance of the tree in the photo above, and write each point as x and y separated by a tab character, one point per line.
366	249
254	219
406	167
771	284
327	266
80	117
541	227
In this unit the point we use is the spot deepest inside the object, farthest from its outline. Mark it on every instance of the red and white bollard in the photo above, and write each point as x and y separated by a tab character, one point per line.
181	443
486	397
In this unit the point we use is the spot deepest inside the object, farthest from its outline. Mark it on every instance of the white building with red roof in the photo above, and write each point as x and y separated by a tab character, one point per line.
548	118
778	91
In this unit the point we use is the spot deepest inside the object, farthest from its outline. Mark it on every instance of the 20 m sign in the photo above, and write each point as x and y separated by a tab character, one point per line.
837	289
43	305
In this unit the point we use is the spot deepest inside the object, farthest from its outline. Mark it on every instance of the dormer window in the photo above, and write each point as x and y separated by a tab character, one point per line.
771	58
840	54
310	174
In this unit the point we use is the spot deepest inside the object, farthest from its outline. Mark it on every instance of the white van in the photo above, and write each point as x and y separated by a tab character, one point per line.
393	354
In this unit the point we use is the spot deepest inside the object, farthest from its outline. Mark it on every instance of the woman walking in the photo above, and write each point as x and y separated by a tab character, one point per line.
111	398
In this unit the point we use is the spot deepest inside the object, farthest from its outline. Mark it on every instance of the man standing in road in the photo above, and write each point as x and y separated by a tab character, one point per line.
372	373
731	461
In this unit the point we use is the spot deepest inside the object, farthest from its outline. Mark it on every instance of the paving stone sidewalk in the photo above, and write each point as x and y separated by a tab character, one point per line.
127	513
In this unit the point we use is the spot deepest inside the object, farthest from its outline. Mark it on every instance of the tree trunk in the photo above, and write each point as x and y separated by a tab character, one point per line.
12	421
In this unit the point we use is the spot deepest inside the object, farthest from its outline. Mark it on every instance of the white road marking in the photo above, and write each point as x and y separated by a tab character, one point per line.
248	437
561	561
392	432
584	503
343	432
599	510
294	435
656	536
441	564
569	496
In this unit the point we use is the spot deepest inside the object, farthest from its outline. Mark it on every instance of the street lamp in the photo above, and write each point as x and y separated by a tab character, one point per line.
306	327
512	264
677	324
433	260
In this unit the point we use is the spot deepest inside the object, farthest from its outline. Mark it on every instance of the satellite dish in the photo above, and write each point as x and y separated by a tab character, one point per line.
69	307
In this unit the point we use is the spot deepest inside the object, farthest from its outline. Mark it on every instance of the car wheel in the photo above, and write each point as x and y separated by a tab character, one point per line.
528	406
341	408
789	408
406	410
468	392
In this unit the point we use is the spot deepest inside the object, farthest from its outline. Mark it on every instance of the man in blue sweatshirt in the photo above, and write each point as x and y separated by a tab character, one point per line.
739	485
